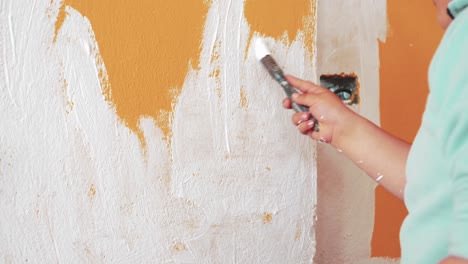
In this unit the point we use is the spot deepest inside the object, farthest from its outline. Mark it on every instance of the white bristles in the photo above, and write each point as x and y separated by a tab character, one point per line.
261	49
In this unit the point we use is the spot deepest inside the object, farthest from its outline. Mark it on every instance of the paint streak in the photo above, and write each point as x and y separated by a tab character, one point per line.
413	38
298	233
282	20
243	98
148	48
92	191
267	218
179	246
69	104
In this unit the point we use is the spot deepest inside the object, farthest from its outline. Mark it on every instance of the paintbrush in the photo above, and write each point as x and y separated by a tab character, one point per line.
263	54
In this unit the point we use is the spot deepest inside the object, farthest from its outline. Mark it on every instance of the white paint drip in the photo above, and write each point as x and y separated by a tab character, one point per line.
31	14
225	86
213	38
7	74
12	36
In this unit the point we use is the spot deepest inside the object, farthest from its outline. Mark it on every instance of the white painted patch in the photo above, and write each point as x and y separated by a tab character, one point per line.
237	185
347	42
261	49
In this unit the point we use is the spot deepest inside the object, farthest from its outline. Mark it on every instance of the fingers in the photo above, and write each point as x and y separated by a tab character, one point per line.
287	103
307	127
299	118
301	85
303	122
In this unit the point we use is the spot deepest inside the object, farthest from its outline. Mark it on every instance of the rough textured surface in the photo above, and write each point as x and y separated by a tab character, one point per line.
147	49
347	42
234	184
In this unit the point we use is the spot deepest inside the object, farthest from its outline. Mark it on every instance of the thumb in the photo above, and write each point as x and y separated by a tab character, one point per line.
302	85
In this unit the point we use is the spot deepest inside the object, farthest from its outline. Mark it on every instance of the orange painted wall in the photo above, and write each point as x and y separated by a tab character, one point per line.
293	19
148	48
412	39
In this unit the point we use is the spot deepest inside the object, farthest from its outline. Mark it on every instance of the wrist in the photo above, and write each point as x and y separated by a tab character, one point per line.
345	127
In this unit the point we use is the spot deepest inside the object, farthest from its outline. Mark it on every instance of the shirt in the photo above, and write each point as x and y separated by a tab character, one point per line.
436	192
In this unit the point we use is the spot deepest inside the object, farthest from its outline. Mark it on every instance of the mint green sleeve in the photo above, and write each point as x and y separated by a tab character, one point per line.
457	6
456	136
458	237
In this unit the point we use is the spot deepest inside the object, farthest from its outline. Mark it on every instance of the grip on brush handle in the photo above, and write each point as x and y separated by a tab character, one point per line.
302	108
289	90
277	74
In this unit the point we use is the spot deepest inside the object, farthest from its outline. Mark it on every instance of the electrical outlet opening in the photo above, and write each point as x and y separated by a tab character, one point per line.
345	86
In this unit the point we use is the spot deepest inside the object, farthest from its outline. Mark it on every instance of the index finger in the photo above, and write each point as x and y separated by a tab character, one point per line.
302	85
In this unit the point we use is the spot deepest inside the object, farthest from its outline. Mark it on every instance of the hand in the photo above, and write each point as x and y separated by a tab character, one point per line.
375	151
324	105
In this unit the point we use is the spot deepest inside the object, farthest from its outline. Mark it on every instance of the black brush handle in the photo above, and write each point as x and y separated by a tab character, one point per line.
277	74
289	90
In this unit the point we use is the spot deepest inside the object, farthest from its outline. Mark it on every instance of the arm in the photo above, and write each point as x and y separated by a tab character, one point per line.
381	155
378	153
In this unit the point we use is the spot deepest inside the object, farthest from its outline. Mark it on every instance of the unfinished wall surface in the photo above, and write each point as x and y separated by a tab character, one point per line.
356	218
146	132
348	34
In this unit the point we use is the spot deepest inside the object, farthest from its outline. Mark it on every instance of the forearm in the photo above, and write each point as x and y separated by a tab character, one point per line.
381	155
378	153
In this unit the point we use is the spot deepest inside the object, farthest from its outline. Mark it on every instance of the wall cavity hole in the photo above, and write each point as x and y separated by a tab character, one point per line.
345	86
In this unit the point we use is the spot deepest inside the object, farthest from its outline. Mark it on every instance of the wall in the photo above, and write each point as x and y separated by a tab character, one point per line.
359	222
405	56
348	34
136	132
114	150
